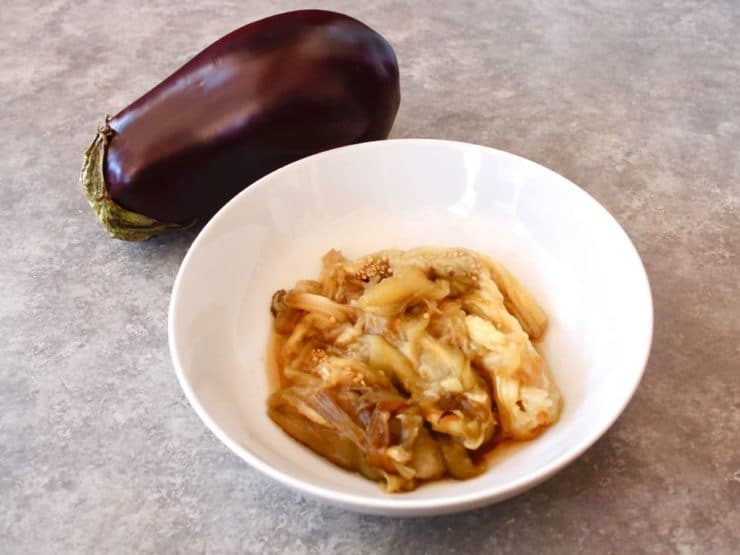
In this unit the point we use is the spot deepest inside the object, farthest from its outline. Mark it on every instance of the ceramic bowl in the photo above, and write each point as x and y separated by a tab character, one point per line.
560	242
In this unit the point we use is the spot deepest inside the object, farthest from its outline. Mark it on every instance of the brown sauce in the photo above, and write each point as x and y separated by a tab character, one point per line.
490	453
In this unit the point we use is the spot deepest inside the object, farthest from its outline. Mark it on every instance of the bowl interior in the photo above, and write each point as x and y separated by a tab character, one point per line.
556	239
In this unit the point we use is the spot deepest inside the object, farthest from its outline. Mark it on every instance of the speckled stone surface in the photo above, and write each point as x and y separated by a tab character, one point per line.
638	102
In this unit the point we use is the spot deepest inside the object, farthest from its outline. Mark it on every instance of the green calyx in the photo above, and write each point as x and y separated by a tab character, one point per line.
119	222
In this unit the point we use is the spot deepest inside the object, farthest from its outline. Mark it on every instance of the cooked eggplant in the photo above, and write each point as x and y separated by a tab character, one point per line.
265	95
409	366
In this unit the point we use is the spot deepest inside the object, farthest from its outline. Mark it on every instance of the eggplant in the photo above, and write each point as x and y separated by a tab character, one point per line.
265	95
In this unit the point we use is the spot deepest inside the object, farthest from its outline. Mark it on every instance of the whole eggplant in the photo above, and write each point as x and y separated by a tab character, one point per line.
267	94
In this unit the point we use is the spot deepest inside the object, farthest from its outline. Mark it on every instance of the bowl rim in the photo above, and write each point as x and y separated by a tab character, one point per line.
398	505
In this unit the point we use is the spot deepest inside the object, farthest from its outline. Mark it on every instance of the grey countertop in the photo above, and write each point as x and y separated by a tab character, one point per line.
638	102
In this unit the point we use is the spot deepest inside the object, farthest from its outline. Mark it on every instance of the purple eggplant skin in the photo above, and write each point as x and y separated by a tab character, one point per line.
265	95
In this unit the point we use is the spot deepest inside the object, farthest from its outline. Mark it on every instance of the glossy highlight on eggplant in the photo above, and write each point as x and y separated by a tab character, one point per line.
265	95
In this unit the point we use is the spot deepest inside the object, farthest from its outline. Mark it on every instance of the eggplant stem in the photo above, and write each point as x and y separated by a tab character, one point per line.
117	220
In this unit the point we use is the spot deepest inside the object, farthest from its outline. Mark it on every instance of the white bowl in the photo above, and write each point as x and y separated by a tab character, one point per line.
574	257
